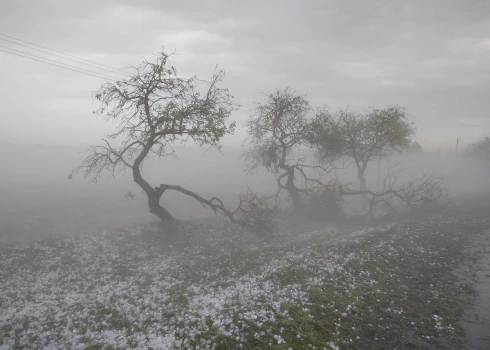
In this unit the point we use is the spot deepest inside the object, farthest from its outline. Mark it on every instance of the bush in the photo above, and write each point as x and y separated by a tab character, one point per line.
324	204
257	213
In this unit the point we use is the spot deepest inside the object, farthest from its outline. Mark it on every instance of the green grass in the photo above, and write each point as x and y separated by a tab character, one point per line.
217	287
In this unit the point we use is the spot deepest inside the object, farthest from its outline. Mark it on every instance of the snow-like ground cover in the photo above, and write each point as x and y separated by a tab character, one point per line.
219	287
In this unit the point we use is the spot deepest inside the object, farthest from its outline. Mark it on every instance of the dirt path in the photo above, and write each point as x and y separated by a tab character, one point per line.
476	320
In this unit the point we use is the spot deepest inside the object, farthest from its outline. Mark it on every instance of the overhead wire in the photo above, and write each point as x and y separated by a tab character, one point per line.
243	107
65	58
93	64
63	53
57	65
61	63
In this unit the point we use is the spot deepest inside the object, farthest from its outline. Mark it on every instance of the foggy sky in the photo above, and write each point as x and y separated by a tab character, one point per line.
432	57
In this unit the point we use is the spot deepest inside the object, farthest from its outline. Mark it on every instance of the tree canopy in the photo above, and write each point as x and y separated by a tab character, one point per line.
154	109
278	126
480	150
415	147
361	137
479	153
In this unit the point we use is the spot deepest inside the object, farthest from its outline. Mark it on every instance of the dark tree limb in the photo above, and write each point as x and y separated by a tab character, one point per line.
251	212
426	189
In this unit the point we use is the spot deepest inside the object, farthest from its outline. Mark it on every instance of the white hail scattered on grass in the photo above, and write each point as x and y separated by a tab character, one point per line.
127	290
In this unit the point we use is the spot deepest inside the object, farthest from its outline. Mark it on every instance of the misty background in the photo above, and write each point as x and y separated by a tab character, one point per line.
431	57
38	201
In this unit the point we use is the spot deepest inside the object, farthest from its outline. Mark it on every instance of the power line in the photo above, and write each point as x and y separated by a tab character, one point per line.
65	58
75	70
64	64
66	54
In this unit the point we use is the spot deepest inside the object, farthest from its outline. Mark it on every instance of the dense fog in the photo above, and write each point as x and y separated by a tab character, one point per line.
37	199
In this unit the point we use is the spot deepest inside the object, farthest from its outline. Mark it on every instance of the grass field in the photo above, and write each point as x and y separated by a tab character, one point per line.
217	287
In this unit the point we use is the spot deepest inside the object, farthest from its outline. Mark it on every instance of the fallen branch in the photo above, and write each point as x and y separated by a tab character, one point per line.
252	212
427	189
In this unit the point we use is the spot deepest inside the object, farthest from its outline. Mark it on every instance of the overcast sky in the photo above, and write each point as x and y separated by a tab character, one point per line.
433	57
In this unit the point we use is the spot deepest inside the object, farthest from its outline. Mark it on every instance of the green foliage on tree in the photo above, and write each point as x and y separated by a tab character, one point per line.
277	127
152	110
361	137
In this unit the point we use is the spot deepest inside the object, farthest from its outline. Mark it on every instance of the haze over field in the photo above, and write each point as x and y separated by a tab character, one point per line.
427	57
37	199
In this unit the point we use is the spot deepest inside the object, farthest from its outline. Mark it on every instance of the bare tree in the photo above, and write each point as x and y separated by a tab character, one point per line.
363	138
278	126
154	109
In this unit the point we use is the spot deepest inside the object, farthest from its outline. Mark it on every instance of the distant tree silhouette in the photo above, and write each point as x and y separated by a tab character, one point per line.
479	149
479	152
415	147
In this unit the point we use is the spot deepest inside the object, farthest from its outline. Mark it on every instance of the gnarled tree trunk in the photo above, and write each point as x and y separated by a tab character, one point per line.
154	194
157	209
293	191
168	221
362	182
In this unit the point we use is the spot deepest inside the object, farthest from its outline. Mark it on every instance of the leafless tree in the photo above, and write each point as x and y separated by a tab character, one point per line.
154	109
